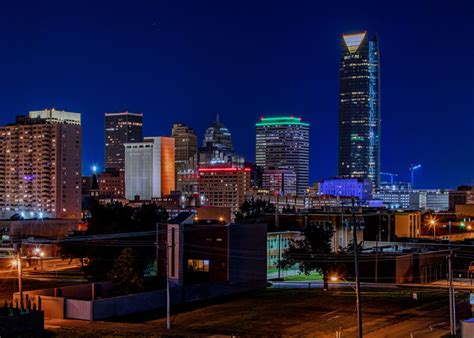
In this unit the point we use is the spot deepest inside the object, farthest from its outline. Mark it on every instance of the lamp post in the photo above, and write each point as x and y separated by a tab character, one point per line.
433	224
16	262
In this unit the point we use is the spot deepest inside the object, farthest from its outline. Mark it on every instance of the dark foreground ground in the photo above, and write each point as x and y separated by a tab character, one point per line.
296	312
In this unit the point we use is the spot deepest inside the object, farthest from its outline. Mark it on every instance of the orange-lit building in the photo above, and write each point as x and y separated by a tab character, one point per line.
224	186
149	168
168	172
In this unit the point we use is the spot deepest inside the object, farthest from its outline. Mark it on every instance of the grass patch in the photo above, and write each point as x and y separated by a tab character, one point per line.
302	277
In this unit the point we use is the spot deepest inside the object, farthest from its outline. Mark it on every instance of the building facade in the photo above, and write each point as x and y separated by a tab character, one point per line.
359	108
112	184
218	137
224	186
186	144
40	166
279	181
360	188
121	128
149	168
408	224
426	199
283	143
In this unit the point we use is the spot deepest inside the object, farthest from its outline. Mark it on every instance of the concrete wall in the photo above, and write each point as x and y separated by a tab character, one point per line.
53	307
404	269
40	228
60	307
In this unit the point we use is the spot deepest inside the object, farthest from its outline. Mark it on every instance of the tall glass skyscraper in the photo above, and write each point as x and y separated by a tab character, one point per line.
283	143
359	108
120	128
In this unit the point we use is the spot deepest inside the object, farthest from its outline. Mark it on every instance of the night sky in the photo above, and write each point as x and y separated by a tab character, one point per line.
184	61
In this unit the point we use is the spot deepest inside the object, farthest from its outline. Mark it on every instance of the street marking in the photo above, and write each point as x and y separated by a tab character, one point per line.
431	328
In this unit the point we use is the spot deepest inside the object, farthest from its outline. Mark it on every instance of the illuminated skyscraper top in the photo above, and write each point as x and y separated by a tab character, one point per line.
282	143
359	108
218	137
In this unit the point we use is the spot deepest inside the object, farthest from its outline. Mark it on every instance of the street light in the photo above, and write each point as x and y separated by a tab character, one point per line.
433	225
16	262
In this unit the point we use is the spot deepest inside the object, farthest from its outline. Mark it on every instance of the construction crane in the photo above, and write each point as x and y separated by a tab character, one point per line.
412	169
391	176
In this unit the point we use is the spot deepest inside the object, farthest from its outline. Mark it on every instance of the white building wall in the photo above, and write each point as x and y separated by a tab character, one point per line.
143	169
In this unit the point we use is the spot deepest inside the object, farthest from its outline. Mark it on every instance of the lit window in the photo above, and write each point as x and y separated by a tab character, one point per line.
199	265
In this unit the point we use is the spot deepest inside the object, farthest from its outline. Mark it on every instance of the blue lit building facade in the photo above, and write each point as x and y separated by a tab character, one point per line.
359	108
360	188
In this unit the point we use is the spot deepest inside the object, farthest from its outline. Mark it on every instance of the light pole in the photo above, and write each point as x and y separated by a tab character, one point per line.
356	264
433	224
16	262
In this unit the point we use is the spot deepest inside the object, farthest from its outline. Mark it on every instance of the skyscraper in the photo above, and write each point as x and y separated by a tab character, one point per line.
359	108
218	137
149	168
40	165
120	128
283	143
185	143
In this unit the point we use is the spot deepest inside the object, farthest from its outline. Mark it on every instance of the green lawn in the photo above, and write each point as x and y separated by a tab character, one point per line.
303	277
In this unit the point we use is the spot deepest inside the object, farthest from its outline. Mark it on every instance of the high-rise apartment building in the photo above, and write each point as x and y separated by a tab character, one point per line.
224	186
149	168
121	128
359	108
283	143
186	145
40	166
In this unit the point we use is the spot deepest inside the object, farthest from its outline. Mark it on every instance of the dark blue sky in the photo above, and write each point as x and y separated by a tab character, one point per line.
183	61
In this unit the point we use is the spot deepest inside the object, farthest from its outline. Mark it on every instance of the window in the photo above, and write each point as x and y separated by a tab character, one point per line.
199	265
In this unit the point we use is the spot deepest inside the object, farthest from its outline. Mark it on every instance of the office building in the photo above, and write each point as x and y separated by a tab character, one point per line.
283	143
121	128
359	108
360	188
186	145
112	184
279	181
462	195
426	199
408	224
218	137
224	186
149	168
40	166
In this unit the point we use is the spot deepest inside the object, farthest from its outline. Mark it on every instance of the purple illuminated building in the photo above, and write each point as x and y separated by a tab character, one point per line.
360	188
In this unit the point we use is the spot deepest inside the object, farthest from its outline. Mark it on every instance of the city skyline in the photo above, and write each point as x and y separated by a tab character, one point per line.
294	66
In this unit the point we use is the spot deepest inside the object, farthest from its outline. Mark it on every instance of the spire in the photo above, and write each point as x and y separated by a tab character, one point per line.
217	118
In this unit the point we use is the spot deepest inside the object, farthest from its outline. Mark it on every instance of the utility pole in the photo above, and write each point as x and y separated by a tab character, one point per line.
356	264
168	325
276	210
452	298
376	257
20	283
279	255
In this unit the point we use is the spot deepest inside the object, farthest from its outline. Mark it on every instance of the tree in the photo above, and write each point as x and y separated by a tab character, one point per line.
125	275
313	252
251	209
115	218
